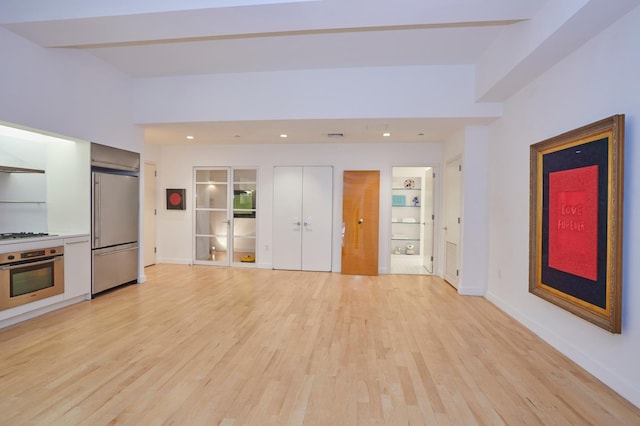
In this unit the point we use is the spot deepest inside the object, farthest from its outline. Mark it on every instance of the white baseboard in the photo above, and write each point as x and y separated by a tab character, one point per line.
174	261
471	291
619	384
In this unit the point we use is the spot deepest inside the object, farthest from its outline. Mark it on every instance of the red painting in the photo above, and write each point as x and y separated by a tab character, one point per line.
175	199
573	221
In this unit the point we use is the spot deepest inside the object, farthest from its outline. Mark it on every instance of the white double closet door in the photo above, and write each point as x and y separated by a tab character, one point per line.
302	218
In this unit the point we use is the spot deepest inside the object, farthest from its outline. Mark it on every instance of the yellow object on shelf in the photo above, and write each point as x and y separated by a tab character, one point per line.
248	259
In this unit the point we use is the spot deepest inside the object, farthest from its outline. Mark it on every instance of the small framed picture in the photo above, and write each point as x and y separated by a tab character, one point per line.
175	199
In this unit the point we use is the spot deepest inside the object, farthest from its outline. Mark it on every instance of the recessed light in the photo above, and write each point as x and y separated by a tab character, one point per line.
386	134
189	137
283	135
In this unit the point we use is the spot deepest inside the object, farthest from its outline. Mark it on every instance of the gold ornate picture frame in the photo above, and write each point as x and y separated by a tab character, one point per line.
575	232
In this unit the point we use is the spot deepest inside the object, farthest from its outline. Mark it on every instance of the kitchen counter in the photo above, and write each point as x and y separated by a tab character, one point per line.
77	274
33	243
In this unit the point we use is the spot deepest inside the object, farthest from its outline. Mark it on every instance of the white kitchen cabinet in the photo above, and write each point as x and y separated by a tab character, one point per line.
302	218
77	267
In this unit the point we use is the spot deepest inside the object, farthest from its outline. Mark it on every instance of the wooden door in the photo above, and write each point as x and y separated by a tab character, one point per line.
360	222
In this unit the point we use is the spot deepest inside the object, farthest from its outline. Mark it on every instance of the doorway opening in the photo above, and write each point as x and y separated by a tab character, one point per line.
412	220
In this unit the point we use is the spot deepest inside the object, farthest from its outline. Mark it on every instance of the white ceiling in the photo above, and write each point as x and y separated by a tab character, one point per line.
147	38
404	130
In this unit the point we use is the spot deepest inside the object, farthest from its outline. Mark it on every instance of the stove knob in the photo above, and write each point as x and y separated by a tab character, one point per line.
11	257
52	251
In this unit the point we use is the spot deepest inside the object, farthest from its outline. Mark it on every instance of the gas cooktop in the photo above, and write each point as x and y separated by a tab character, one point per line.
18	235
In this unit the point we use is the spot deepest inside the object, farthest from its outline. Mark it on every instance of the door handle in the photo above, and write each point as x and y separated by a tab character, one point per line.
39	262
76	242
116	251
360	221
96	210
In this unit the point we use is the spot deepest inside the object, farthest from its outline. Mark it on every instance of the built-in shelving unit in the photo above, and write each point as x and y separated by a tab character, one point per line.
412	220
406	216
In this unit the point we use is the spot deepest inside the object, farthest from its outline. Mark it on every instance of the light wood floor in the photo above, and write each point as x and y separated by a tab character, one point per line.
202	345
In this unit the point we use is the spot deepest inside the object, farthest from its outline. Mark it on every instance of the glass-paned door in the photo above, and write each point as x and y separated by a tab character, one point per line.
212	216
244	216
225	216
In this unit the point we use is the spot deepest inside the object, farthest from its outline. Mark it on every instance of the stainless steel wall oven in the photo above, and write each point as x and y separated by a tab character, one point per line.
30	275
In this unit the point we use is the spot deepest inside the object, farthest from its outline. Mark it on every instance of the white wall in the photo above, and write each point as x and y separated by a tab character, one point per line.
65	91
44	198
175	170
470	147
437	91
596	81
475	213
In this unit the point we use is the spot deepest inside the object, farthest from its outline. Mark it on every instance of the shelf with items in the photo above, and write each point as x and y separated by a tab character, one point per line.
405	247
406	217
406	209
406	182
404	200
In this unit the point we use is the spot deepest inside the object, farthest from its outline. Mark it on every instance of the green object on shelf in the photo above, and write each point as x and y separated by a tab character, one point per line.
398	200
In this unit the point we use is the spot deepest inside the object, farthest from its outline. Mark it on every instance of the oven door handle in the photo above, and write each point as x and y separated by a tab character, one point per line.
22	265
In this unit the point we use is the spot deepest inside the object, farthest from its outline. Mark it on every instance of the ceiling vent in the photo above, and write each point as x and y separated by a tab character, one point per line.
335	135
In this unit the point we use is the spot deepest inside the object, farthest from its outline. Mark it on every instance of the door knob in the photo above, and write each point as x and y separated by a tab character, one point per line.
360	221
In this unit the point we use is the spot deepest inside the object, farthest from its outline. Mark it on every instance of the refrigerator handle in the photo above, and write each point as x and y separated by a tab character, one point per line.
96	211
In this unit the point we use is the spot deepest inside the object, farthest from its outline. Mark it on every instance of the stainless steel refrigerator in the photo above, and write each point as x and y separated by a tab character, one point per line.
115	217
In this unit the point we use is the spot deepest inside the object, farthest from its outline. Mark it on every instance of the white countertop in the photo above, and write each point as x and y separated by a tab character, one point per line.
21	244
